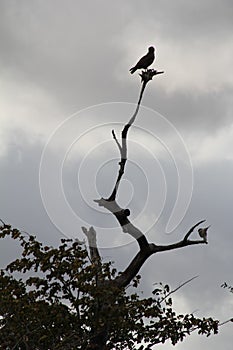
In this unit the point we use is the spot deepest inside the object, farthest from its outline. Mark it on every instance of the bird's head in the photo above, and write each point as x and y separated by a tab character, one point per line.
151	49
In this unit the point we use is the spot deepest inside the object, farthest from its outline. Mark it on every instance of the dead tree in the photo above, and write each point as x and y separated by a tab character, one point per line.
146	249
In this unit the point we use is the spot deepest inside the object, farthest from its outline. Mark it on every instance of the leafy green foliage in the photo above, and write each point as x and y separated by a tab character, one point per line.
57	298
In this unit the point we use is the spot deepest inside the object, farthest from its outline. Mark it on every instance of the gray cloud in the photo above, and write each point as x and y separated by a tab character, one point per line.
57	58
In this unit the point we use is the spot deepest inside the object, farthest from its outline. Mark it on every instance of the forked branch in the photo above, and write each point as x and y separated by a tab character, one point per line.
146	77
135	265
122	215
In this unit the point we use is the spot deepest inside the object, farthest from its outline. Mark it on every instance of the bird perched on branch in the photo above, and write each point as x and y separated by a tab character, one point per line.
203	233
145	61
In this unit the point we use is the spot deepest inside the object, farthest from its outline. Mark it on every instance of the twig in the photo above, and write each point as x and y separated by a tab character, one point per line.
177	288
230	320
117	142
3	222
191	229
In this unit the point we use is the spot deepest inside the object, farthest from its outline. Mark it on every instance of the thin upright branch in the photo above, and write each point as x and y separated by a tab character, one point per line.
110	203
146	77
121	214
91	237
117	142
123	146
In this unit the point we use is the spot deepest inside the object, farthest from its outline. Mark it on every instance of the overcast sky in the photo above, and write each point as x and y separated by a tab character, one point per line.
65	84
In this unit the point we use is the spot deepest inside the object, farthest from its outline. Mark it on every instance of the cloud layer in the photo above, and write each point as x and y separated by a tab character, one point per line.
58	58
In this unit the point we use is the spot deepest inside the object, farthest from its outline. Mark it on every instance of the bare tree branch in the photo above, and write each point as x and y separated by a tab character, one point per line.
177	288
117	142
110	203
91	237
146	77
122	217
133	268
180	244
192	228
230	320
146	249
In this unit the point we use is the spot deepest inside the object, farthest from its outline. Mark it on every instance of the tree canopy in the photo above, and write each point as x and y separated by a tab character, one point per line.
66	298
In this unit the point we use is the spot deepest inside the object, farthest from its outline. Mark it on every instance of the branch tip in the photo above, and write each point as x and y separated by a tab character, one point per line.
148	74
192	229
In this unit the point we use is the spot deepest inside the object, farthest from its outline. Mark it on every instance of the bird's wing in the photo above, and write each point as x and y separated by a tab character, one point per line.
142	61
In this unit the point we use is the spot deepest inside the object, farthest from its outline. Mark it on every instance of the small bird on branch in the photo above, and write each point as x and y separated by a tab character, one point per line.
203	233
145	61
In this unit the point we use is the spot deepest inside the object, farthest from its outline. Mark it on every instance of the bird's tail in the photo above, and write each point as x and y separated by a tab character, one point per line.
132	70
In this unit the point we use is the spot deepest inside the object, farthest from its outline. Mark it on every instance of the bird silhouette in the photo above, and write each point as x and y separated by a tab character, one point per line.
145	61
203	233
